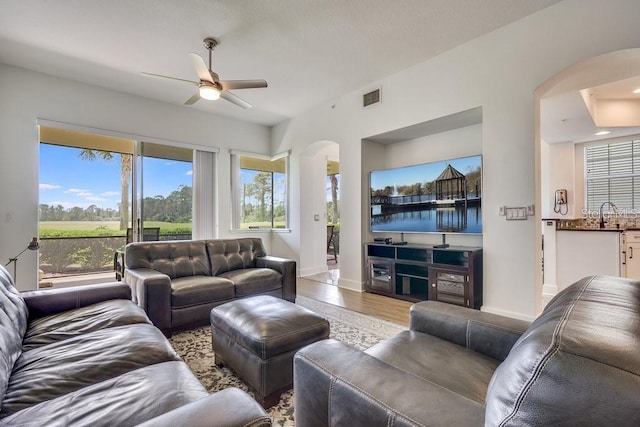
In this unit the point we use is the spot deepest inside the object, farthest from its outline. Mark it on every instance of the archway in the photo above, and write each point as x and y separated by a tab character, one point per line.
314	214
561	131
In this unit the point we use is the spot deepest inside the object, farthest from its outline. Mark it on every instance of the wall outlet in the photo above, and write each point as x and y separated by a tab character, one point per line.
531	210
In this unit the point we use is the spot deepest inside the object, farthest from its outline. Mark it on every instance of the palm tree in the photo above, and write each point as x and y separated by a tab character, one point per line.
125	174
334	198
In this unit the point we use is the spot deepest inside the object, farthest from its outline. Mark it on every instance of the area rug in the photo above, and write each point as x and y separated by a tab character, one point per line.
356	329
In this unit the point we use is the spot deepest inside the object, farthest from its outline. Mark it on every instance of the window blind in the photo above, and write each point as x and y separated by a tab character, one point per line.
612	174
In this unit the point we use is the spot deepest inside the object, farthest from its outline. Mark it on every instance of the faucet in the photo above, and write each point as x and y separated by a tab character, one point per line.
615	209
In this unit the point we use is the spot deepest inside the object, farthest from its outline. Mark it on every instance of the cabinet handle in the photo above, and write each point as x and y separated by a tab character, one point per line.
630	252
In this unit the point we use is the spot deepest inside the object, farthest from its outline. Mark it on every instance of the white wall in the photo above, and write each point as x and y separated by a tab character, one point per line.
558	168
498	72
27	96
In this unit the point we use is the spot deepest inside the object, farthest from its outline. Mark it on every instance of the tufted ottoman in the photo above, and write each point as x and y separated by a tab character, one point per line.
257	338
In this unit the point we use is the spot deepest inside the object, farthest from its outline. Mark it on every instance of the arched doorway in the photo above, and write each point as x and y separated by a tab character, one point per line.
569	111
320	191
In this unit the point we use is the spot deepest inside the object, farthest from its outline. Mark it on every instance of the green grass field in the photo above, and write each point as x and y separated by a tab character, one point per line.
101	228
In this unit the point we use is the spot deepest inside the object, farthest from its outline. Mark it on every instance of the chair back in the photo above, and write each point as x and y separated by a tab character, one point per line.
329	235
149	234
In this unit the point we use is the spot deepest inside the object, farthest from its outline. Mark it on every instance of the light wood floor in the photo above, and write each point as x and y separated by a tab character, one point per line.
391	309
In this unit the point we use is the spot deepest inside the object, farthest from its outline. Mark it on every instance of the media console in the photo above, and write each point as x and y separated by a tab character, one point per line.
416	272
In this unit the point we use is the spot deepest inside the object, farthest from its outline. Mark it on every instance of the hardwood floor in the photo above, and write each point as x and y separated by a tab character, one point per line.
391	309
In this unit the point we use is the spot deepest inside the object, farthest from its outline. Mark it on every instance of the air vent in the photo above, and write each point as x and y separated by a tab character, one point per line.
372	97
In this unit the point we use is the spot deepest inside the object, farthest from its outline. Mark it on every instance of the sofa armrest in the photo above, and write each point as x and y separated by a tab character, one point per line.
230	407
286	267
153	294
486	333
336	384
44	302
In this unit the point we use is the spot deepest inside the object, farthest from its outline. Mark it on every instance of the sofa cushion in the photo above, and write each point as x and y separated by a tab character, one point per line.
52	370
126	400
175	259
13	324
234	254
252	281
67	324
197	290
578	362
441	362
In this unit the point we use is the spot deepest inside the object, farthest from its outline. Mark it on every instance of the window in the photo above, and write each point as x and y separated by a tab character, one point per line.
612	174
89	199
260	189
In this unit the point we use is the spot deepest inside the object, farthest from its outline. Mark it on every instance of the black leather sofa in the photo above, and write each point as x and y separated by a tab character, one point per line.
577	364
179	282
88	356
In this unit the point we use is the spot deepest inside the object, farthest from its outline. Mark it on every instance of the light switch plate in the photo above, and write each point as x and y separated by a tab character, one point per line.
516	214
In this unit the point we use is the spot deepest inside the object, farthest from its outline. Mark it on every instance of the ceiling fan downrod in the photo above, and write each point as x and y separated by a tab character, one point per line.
210	43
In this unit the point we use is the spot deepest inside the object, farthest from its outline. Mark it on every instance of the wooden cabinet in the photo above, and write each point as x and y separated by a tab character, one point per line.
421	272
631	254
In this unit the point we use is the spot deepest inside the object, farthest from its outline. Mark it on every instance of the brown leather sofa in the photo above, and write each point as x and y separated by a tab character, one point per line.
178	282
88	356
577	364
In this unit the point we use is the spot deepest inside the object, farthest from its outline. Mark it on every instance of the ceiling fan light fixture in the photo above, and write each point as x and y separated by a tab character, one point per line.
209	92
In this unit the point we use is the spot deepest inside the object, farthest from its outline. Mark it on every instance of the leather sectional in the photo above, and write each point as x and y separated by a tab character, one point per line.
179	282
88	356
577	364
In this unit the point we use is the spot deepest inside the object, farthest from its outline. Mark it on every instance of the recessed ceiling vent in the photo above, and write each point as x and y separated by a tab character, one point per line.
370	98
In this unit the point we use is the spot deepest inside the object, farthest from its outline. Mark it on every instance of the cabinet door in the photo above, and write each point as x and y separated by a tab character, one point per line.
380	276
633	260
449	286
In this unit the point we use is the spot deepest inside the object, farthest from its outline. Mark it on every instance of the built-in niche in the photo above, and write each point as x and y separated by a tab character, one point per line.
454	136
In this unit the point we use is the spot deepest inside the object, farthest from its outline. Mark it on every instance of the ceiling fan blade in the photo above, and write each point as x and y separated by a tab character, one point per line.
242	84
160	76
201	67
195	98
234	99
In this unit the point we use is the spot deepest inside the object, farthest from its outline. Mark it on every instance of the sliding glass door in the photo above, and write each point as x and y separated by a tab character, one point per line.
98	193
164	201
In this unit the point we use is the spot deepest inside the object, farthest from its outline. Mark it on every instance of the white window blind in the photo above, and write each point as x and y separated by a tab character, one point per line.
612	174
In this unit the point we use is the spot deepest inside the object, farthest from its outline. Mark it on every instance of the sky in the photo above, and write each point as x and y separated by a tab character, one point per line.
67	180
427	172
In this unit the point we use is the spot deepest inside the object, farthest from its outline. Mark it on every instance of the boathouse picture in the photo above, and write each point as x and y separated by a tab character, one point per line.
440	197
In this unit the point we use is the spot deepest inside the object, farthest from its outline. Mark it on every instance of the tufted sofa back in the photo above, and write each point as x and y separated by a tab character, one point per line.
173	258
13	325
234	254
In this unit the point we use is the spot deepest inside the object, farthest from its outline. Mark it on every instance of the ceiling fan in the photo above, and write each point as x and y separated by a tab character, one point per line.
210	86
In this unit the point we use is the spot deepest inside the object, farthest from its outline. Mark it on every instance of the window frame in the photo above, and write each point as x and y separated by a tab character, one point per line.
236	190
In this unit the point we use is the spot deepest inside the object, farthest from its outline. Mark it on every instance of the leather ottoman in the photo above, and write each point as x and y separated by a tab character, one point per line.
257	338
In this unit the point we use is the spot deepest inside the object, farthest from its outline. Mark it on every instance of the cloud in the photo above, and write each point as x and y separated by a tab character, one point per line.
190	172
77	190
110	193
48	186
95	198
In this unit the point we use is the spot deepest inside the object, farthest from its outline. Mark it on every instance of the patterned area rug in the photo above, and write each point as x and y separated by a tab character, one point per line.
358	330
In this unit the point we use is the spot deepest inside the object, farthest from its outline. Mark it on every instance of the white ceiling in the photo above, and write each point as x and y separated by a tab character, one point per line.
564	116
309	51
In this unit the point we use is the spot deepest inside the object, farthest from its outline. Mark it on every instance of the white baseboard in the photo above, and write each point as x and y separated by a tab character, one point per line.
352	285
506	313
313	270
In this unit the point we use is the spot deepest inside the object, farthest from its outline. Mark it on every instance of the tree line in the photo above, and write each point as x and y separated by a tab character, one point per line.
176	207
473	179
